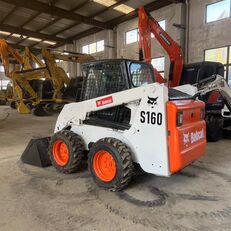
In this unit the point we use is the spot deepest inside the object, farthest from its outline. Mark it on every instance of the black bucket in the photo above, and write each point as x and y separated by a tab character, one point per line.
36	152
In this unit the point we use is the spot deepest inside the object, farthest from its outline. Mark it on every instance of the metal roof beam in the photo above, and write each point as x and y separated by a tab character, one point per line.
56	11
30	33
94	15
156	5
149	7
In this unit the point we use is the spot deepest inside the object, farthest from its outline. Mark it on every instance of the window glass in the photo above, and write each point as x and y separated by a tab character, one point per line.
162	74
3	84
102	79
163	24
92	48
141	74
217	11
85	49
217	55
230	54
1	68
229	76
158	63
132	36
100	46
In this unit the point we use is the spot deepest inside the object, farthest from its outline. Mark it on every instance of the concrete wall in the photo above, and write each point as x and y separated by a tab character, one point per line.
204	36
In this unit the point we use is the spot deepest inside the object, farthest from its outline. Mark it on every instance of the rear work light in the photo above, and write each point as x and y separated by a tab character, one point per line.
179	119
202	114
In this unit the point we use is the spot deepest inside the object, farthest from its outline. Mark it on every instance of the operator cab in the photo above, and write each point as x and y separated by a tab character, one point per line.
109	76
106	77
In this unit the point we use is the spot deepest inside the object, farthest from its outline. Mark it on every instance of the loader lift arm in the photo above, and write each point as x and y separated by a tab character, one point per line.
218	84
148	25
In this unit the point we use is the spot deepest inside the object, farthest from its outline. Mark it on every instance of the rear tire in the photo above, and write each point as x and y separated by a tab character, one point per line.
110	164
214	128
66	151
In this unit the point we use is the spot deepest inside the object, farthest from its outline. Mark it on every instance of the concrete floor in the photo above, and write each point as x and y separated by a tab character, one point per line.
198	198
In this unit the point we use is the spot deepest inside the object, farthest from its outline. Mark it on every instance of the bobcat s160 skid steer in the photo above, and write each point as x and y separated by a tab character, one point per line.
125	118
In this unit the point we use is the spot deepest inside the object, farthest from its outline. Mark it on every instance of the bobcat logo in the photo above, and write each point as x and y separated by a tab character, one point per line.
186	138
152	101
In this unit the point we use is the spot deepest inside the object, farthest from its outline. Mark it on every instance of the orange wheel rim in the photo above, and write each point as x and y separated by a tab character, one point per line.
60	152
104	165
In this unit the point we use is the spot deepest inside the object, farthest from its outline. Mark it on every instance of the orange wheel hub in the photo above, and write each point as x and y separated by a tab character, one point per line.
60	152
104	165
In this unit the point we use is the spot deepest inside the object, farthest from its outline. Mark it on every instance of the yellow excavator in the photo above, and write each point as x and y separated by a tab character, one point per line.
39	90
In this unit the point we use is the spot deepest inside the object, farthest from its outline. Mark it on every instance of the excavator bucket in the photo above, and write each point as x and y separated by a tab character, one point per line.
36	153
22	108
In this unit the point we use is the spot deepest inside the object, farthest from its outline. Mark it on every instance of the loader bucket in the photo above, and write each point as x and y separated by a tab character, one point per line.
36	152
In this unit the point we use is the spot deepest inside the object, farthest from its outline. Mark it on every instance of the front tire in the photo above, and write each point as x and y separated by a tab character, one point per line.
66	151
110	164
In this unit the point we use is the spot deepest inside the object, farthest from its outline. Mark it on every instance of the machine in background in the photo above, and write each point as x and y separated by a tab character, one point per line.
37	87
181	73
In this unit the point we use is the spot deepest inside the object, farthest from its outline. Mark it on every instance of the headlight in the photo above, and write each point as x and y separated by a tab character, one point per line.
179	120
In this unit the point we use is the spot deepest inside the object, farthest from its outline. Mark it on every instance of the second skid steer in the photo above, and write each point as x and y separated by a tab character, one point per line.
125	118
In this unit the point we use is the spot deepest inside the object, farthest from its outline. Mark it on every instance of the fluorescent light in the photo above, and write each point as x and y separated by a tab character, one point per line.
49	42
19	36
58	61
105	2
4	32
16	35
34	39
124	8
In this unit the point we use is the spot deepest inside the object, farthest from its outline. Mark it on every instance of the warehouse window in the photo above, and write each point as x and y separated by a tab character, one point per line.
3	84
222	55
93	47
100	46
85	49
1	68
158	64
132	36
217	11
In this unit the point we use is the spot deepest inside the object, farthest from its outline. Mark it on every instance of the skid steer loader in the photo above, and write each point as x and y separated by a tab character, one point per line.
124	117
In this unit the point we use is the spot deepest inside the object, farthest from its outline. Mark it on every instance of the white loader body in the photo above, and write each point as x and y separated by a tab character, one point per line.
147	136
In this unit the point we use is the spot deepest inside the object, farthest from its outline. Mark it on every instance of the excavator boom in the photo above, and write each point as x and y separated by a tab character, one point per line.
148	25
6	52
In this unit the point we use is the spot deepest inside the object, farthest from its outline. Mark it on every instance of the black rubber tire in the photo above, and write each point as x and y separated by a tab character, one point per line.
214	128
2	102
124	164
75	148
39	111
12	104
